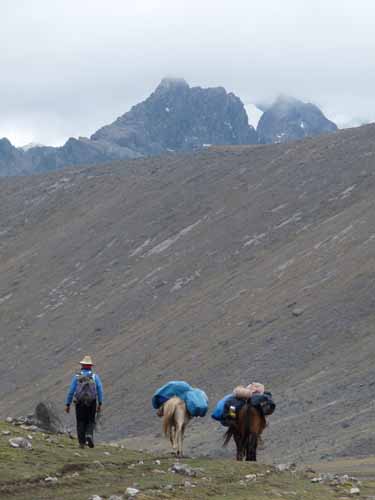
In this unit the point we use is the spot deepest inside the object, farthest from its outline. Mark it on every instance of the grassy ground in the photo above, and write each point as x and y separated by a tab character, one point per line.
109	470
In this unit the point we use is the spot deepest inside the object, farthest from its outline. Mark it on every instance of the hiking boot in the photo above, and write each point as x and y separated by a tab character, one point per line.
90	442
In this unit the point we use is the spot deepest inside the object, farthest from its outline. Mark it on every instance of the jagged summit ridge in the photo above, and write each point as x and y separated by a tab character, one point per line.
171	82
177	117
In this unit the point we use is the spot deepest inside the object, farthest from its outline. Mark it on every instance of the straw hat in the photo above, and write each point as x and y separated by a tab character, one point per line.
86	361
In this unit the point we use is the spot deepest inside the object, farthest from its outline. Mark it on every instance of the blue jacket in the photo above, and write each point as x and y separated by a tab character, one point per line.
73	386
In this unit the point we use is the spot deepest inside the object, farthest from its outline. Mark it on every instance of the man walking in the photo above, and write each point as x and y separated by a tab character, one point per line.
86	391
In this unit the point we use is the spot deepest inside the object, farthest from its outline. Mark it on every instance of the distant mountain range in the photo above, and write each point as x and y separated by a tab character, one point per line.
174	118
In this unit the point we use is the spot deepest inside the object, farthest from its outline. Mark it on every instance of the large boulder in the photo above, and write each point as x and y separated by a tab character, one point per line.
47	417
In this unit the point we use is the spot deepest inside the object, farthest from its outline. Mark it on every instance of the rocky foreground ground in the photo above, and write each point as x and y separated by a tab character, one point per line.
40	465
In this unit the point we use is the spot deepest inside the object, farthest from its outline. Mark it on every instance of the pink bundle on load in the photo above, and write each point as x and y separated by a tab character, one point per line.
255	388
242	392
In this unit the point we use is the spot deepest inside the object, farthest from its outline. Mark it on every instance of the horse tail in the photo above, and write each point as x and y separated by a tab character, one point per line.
228	436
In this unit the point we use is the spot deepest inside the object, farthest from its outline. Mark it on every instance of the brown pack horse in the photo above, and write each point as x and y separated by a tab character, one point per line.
246	430
175	419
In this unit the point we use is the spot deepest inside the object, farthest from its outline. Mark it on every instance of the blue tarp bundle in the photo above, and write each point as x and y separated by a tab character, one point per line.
167	391
196	400
217	414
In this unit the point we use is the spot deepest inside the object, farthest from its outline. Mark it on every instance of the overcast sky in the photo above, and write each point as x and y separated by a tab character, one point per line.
71	66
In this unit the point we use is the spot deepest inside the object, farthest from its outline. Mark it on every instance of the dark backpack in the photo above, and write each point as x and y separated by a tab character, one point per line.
264	403
86	390
232	408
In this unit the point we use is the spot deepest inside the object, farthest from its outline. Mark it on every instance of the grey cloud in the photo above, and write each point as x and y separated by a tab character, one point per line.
69	67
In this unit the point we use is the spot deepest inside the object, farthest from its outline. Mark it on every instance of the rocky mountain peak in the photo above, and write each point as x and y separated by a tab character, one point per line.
177	117
5	146
171	83
289	119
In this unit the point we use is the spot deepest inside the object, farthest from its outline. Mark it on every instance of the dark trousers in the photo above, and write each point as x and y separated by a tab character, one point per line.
85	421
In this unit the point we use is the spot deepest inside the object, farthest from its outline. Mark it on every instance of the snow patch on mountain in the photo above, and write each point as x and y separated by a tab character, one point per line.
253	114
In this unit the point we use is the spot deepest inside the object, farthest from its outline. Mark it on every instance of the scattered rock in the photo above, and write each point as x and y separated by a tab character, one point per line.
354	491
327	476
334	479
98	464
188	484
251	477
158	471
157	462
96	497
20	442
297	311
183	469
284	467
115	497
47	417
33	428
5	433
9	420
316	480
131	492
51	479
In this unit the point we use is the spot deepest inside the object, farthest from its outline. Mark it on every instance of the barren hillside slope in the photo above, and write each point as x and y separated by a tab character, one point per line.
227	266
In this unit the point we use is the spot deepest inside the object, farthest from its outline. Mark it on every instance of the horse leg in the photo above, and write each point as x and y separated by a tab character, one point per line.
179	440
237	440
179	421
175	439
171	436
251	448
182	434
